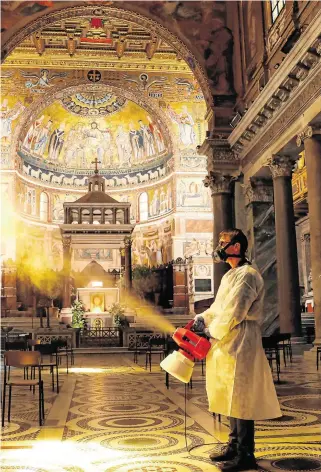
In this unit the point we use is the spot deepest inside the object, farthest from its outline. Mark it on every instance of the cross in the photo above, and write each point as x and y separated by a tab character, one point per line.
96	161
94	75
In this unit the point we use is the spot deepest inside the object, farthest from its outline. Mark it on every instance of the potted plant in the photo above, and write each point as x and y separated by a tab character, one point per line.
118	313
78	320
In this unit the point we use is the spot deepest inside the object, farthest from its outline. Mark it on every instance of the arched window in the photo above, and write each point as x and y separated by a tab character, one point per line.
44	206
276	8
143	206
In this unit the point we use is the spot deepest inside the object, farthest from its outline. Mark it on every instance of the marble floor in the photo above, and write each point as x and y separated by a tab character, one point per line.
113	415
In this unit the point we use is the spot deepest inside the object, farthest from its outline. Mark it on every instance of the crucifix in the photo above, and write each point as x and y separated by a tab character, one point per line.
96	162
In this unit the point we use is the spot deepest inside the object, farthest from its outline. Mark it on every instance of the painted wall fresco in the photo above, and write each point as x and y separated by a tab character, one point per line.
58	199
188	123
88	254
192	194
152	245
11	109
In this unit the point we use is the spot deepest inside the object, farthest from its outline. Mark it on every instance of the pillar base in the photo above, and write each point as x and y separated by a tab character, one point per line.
311	354
66	315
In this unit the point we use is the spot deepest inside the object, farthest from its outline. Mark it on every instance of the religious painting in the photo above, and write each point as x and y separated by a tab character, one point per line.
11	108
185	124
125	138
160	200
39	82
58	199
252	29
192	193
84	254
26	198
97	303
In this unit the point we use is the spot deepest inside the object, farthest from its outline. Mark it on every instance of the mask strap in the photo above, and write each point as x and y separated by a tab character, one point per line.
237	256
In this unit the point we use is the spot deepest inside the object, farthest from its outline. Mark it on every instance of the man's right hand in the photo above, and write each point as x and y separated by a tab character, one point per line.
199	324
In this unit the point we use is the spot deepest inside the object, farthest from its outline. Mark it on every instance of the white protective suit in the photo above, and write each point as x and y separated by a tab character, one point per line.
239	381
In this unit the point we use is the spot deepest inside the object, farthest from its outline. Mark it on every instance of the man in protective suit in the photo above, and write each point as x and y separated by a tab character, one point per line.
239	382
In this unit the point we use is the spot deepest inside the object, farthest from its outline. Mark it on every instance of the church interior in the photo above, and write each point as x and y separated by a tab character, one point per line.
132	134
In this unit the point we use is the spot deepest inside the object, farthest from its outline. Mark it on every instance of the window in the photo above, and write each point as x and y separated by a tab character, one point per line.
276	7
43	206
143	206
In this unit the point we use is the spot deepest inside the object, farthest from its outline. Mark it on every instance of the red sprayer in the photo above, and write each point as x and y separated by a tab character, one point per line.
180	363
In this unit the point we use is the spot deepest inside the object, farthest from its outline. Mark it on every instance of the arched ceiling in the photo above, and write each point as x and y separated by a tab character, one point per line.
105	86
85	122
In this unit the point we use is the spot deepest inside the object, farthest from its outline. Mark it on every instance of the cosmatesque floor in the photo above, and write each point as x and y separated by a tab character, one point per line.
113	415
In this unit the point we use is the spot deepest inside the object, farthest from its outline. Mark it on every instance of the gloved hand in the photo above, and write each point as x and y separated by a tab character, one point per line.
207	333
199	324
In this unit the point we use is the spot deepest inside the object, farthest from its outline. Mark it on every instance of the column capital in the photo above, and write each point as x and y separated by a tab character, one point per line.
219	154
66	241
219	183
280	166
128	241
308	133
258	190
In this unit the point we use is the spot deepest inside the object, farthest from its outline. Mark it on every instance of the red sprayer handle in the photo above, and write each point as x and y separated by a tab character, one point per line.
189	324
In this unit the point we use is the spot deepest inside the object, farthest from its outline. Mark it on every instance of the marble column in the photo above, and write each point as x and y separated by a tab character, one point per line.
260	231
311	137
128	262
66	244
306	260
286	248
221	191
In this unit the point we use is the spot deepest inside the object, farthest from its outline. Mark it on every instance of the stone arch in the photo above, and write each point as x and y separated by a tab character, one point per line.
189	56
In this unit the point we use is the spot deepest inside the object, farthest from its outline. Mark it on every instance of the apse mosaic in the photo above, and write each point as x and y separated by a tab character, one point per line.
70	141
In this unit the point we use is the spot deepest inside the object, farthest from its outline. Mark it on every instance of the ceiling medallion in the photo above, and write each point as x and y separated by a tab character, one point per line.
94	76
93	103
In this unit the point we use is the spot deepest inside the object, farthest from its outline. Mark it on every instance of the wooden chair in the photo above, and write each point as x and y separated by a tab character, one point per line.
141	344
271	349
284	345
15	346
156	345
51	351
22	360
64	350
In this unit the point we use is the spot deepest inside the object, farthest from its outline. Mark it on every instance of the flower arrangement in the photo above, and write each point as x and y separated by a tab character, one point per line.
78	310
117	311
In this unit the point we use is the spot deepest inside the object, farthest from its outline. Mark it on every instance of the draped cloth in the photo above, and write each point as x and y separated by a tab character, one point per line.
239	381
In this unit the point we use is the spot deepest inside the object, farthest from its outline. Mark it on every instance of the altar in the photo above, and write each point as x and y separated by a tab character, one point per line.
97	302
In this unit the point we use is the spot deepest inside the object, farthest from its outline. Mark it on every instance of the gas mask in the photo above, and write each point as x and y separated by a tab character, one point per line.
219	254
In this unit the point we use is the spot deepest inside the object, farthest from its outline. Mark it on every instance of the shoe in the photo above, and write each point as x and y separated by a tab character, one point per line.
240	463
228	453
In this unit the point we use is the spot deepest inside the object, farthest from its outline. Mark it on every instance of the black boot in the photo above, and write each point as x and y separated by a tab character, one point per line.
243	461
227	454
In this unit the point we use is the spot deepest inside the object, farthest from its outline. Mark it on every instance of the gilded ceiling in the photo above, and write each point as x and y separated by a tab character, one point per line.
99	86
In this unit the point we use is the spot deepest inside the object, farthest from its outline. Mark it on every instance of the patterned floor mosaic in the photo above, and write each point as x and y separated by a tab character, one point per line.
113	415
